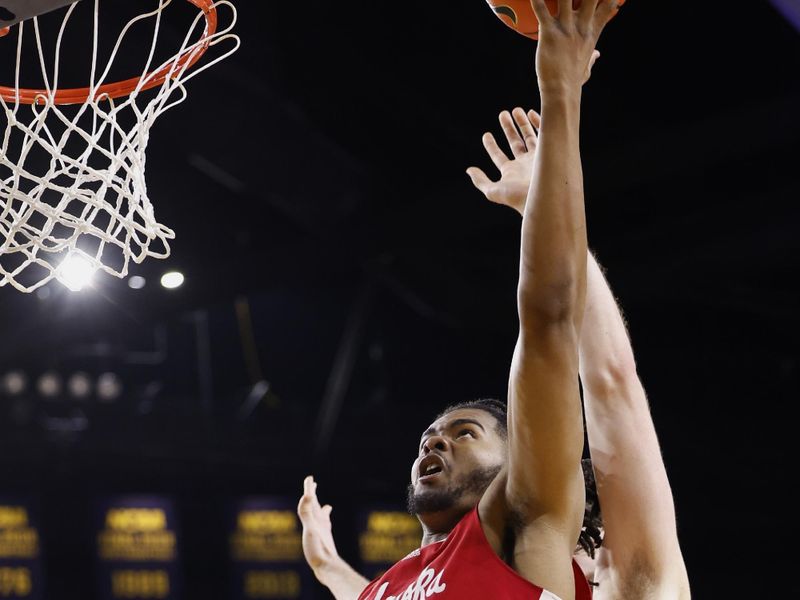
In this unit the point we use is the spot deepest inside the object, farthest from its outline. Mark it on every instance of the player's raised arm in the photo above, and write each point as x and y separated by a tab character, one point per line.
544	486
640	550
545	413
319	548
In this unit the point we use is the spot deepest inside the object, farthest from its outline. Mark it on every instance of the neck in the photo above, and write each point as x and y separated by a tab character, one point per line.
432	538
436	526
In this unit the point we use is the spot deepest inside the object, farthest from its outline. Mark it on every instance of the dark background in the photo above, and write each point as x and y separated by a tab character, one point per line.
334	248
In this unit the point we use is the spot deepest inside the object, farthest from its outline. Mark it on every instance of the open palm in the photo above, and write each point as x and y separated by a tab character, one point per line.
520	129
318	545
511	189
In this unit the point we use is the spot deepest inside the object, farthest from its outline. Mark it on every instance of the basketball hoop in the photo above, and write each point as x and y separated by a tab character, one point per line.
72	160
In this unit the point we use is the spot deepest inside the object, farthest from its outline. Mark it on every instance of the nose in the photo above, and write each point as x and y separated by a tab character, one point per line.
435	442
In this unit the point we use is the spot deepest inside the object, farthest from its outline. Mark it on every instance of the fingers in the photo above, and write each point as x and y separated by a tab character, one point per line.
587	9
518	147
486	186
596	12
304	507
526	128
588	75
308	502
605	12
498	157
327	509
479	179
541	11
535	119
310	488
564	9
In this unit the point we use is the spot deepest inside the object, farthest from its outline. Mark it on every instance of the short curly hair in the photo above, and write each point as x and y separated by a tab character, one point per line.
591	537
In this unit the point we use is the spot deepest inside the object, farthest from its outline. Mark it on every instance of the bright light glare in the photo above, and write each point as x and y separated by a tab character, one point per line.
137	282
172	280
76	272
79	385
49	384
109	387
15	382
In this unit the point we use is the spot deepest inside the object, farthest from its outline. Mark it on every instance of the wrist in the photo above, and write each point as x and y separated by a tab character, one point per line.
560	90
329	569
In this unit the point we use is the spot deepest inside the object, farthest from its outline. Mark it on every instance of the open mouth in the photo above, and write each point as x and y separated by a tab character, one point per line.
430	466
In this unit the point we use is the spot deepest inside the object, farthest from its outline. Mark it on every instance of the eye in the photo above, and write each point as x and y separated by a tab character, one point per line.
464	432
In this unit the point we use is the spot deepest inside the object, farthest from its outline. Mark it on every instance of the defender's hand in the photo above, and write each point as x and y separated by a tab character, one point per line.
515	173
566	49
318	546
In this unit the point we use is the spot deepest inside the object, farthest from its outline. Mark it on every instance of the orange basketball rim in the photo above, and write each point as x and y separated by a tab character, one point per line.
124	88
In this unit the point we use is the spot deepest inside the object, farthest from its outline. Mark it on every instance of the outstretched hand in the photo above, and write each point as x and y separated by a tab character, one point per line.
521	131
318	545
566	49
511	189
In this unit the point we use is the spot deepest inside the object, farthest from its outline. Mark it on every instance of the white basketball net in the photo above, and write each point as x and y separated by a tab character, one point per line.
72	178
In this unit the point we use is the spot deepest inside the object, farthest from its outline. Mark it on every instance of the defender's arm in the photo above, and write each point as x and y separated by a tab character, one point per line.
641	540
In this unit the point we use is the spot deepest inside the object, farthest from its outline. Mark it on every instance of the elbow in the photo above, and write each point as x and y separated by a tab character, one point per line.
610	379
544	304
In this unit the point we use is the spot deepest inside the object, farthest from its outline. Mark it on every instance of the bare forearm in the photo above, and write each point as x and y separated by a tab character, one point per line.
633	488
544	419
342	580
553	264
617	412
605	349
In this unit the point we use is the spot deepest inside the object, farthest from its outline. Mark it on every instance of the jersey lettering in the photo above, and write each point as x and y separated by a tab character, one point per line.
427	584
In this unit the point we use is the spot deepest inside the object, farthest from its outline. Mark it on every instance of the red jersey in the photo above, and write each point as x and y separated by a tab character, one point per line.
462	567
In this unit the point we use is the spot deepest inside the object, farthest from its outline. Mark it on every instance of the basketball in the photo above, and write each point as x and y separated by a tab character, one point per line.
519	15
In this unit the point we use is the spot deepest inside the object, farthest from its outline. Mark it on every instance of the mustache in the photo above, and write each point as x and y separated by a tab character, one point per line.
429	501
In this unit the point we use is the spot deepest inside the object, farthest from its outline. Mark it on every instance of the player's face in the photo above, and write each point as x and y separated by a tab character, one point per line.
459	455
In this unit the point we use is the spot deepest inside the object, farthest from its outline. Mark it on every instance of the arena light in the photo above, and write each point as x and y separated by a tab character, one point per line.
79	385
172	280
109	387
137	282
76	272
49	385
15	382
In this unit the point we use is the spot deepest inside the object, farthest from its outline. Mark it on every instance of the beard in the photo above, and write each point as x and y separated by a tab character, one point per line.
431	501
